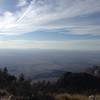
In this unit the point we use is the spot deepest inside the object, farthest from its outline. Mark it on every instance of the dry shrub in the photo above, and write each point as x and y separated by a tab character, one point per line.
70	97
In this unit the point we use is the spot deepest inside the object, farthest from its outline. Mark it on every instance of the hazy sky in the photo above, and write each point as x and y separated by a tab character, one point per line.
50	24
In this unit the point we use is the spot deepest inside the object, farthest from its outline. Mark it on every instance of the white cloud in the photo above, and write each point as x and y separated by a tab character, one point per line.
40	15
84	30
59	45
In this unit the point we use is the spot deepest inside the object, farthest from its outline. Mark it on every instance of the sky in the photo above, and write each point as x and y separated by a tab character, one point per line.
50	24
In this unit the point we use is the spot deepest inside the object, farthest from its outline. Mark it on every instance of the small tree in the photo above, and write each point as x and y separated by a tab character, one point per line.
5	70
21	77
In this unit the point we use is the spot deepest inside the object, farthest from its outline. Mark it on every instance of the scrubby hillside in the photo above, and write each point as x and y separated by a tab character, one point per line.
65	88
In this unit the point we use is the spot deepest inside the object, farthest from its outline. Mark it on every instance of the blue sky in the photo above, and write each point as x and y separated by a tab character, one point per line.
50	24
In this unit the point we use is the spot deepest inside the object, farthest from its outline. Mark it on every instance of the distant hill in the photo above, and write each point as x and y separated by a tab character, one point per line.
49	75
95	70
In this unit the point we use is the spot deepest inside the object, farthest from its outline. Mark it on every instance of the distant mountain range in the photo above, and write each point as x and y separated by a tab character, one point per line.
49	75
